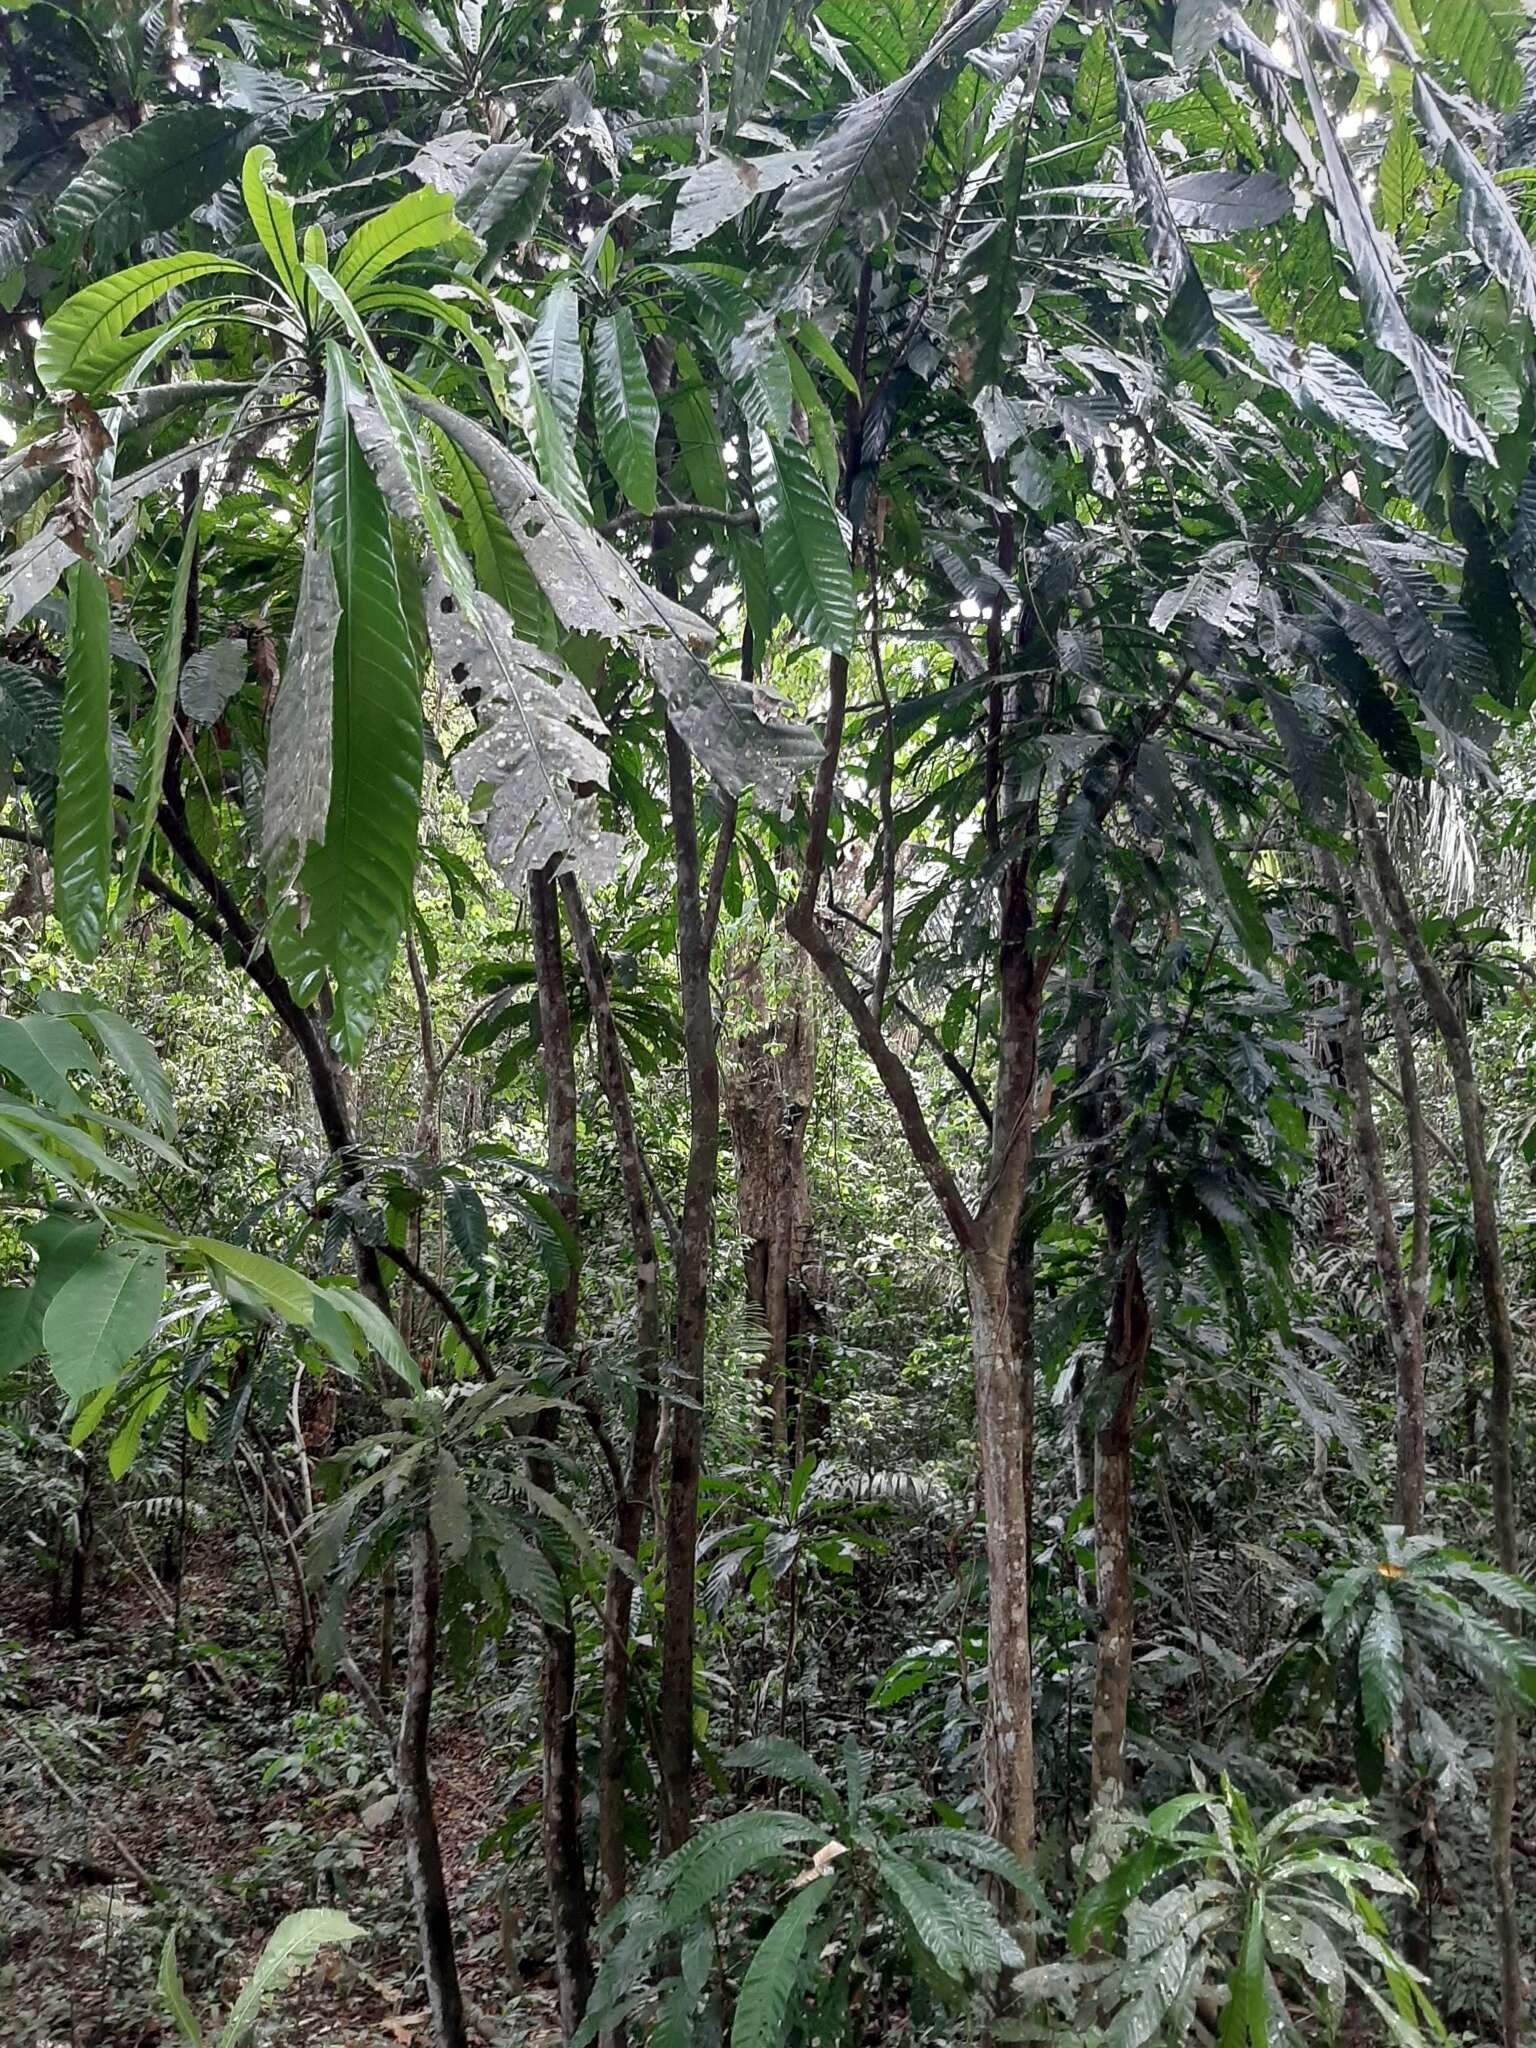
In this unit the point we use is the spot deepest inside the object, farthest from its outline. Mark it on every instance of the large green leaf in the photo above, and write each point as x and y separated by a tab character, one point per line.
775	1971
424	219
759	26
294	1943
82	822
104	1313
803	544
1380	1664
358	879
81	346
554	350
44	1053
297	793
150	179
865	166
627	413
154	737
1189	320
272	217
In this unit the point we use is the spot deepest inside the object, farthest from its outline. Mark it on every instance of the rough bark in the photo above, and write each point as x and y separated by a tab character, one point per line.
564	1871
1452	1031
418	1820
618	1596
691	1267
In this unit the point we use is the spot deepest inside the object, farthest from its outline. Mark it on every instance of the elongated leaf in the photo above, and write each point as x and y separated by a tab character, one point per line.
155	737
1196	26
173	1996
775	1756
1380	1664
803	544
504	195
865	167
743	338
297	791
718	1855
424	219
626	409
759	26
1385	320
294	1943
272	217
149	179
44	1054
102	1316
81	345
554	349
1189	321
533	750
1487	219
359	878
82	827
1228	202
1313	377
284	1291
1400	176
774	1973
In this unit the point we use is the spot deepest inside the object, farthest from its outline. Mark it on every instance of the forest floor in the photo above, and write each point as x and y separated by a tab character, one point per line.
236	1811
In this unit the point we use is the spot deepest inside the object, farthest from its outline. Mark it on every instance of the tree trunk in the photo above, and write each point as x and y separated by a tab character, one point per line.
1002	1407
564	1872
1125	1357
418	1820
691	1259
1405	1329
1503	1780
629	1521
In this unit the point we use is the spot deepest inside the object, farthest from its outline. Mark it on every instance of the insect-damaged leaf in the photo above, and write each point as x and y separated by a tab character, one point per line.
534	759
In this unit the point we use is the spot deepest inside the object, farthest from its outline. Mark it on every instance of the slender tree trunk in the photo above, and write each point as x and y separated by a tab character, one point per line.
1405	1330
618	1594
564	1871
1125	1357
1411	1448
681	1534
1002	1408
1447	1019
418	1819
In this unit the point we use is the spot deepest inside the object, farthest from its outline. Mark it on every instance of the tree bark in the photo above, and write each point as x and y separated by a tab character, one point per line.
1405	1327
564	1871
1447	1020
1125	1356
418	1819
691	1264
618	1596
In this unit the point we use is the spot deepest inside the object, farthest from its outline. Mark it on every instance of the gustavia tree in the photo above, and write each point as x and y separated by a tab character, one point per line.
766	820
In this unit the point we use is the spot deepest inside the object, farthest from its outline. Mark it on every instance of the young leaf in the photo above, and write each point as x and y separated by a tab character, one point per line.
424	219
173	1996
294	1943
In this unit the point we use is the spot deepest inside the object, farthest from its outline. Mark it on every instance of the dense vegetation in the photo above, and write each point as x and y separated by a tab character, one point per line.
765	1079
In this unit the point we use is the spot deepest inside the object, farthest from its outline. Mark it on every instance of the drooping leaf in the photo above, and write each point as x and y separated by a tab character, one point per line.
155	736
103	1315
554	349
81	344
1189	321
1380	1664
803	545
1487	219
358	879
534	756
82	827
150	179
297	791
864	168
626	410
1385	320
759	27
